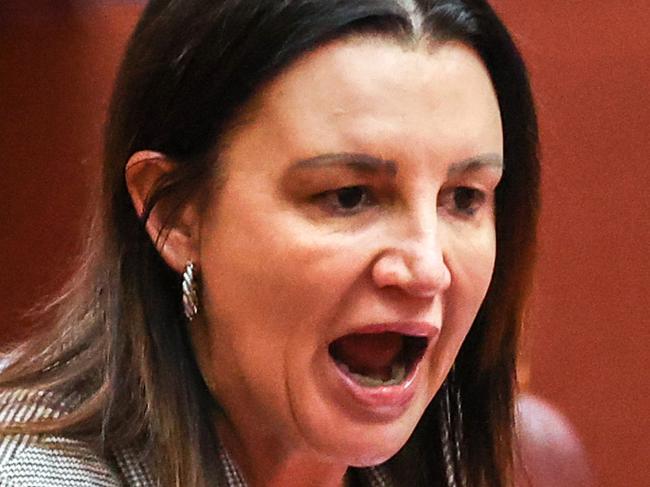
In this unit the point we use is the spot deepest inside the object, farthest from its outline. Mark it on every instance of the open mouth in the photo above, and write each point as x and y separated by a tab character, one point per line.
378	359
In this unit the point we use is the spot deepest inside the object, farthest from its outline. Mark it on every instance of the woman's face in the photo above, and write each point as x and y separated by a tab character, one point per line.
348	251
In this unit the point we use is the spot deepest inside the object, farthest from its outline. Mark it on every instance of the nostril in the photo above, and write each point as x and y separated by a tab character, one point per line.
423	290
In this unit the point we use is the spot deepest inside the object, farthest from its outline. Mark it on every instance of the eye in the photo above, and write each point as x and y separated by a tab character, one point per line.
347	200
464	200
467	199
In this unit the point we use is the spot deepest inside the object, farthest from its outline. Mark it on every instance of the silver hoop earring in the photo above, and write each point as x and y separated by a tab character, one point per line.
190	292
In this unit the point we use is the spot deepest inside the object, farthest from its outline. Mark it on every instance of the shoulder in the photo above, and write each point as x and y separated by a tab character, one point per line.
52	460
39	461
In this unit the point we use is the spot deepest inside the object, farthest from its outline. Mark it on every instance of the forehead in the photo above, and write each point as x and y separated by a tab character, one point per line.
375	95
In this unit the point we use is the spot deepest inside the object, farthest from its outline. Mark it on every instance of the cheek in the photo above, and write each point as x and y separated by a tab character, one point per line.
471	261
471	257
273	290
275	279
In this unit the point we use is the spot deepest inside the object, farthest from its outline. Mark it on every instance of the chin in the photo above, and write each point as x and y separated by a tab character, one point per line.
376	451
356	443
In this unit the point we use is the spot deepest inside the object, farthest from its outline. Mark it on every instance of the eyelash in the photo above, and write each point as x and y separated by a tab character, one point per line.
332	203
331	200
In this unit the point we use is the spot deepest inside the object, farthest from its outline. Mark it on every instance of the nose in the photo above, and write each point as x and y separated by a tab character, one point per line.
415	263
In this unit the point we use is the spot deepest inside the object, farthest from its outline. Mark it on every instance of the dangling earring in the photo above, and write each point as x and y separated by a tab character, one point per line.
190	292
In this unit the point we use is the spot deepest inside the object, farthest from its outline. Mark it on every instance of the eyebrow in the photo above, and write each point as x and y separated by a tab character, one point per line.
365	163
475	163
362	163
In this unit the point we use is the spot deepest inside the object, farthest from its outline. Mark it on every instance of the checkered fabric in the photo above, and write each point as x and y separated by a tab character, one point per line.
55	461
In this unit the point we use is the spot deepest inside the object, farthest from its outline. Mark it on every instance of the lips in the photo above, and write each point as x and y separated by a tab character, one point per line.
377	365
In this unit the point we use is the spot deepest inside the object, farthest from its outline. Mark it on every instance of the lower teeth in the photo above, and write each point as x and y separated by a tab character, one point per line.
398	374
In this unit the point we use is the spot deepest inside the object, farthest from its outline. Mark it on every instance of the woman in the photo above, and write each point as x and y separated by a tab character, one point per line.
344	194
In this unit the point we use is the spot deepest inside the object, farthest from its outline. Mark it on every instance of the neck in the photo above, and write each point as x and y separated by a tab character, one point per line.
266	462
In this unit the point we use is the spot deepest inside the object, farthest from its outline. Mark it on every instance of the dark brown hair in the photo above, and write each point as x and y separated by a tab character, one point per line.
119	334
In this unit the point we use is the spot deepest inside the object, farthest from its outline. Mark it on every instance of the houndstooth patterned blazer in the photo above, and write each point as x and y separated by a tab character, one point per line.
55	461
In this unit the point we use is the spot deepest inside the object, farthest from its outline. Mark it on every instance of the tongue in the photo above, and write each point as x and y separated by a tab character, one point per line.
369	354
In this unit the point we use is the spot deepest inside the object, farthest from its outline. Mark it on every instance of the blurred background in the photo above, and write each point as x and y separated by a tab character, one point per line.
588	328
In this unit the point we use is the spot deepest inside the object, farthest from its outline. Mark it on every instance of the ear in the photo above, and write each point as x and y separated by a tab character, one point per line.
176	240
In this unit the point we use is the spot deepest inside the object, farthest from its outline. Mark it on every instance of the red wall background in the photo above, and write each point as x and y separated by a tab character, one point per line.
588	326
